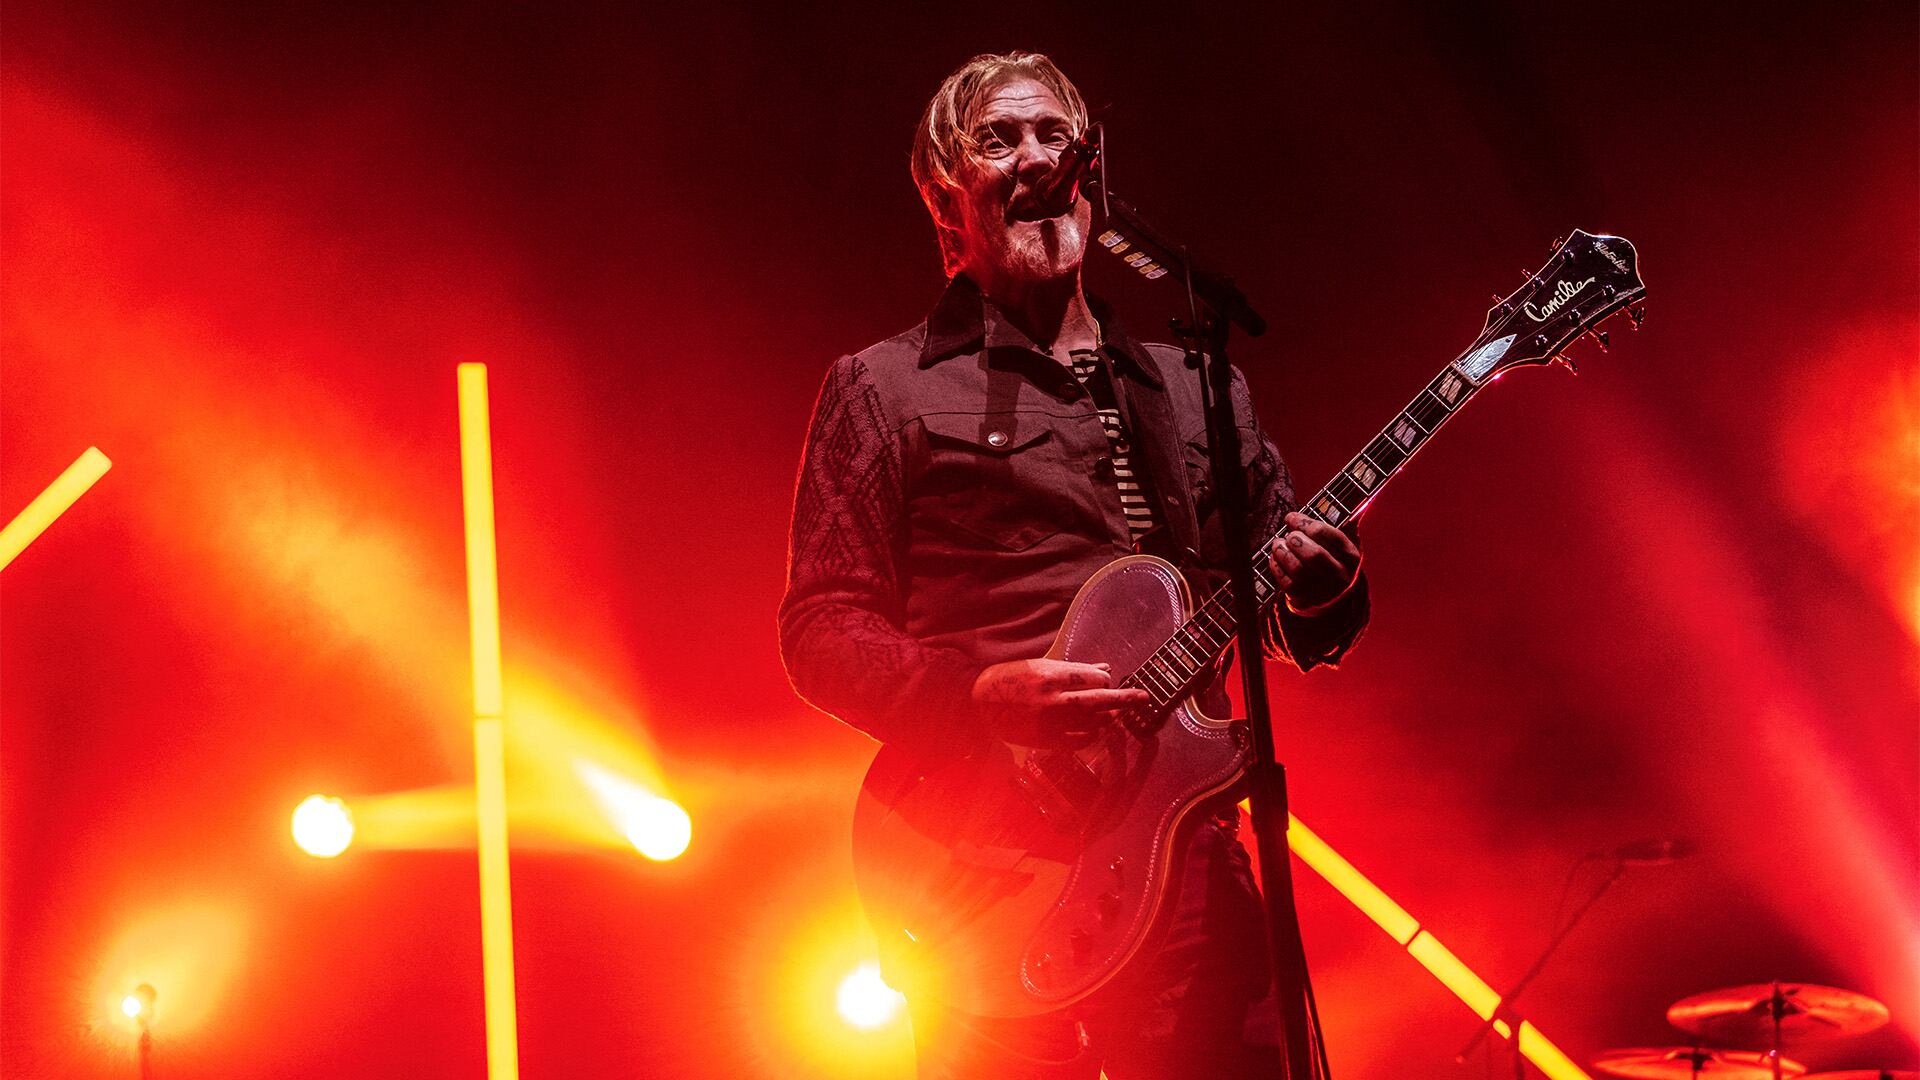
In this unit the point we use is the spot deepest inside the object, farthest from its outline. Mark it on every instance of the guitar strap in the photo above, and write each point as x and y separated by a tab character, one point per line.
1148	412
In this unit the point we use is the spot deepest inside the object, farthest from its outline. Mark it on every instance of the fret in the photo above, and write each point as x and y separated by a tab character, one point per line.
1168	673
1210	635
1385	453
1329	509
1221	621
1344	489
1154	682
1452	388
1213	646
1428	411
1177	664
1407	433
1365	474
1186	654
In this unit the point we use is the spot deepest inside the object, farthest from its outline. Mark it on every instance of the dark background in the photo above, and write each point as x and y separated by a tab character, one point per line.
245	247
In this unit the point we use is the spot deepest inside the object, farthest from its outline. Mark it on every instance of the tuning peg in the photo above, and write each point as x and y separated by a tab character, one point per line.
1568	361
1637	316
1557	241
1599	336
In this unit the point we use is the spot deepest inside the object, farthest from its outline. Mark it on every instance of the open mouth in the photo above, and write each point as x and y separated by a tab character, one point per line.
1029	210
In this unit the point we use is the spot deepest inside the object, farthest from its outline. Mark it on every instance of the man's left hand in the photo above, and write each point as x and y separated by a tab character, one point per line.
1313	562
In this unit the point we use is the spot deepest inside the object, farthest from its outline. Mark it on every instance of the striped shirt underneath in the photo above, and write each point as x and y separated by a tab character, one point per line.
1091	370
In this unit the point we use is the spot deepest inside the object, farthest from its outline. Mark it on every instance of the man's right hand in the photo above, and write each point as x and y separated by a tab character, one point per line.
1049	702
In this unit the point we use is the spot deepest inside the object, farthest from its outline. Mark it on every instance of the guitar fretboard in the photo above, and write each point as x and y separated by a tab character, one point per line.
1171	672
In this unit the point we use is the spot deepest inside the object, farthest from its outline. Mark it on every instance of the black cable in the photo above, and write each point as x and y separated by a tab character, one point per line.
1315	1035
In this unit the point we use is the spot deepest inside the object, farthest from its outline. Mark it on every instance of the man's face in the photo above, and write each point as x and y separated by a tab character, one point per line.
1020	129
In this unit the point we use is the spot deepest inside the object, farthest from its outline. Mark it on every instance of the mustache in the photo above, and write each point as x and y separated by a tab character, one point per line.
1024	205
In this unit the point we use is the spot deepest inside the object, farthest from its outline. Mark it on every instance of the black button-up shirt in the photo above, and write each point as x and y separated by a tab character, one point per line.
957	489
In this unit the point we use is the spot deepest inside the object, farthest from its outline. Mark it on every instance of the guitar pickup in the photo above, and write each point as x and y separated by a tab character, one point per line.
1071	778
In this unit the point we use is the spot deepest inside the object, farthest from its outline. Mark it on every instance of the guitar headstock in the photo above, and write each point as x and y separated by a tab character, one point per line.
1588	280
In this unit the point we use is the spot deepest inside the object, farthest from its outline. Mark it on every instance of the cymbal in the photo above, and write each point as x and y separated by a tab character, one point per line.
1866	1074
1688	1062
1744	1014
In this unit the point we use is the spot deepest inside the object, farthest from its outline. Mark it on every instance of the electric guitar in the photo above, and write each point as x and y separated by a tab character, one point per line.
1020	880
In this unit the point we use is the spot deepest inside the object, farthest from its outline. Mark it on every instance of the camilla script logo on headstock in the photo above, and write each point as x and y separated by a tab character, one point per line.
1562	292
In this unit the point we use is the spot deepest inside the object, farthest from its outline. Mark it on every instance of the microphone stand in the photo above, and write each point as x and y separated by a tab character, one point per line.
1214	305
1504	1010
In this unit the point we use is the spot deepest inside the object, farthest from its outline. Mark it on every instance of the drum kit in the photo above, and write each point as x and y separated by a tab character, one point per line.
1763	1014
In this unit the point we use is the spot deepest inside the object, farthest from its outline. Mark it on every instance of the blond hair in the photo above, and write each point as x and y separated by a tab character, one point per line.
945	134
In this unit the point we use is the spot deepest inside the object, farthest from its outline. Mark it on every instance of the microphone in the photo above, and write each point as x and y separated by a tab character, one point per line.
1656	852
1053	194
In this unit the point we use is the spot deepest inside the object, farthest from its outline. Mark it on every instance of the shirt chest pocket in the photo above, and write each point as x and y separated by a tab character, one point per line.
991	479
1198	455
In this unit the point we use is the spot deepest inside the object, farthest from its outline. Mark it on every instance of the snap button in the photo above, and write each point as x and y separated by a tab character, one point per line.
1070	390
996	439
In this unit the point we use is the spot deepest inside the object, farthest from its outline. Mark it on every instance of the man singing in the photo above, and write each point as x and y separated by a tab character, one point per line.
959	483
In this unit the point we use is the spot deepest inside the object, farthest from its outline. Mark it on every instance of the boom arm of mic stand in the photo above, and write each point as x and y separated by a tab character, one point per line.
1215	290
1539	965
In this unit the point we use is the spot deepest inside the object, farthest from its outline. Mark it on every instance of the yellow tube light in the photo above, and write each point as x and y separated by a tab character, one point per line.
483	573
1457	977
47	506
1351	883
1454	974
489	739
1547	1057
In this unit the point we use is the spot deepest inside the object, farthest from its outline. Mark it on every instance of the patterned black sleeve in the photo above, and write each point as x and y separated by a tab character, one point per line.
841	636
1307	640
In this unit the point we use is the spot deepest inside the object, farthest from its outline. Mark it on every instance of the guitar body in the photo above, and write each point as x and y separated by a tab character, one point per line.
1018	881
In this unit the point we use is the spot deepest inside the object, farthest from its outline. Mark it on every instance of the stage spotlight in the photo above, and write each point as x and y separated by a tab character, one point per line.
322	826
865	1000
659	829
139	1005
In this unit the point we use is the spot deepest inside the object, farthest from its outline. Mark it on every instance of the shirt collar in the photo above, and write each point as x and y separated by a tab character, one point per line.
965	320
